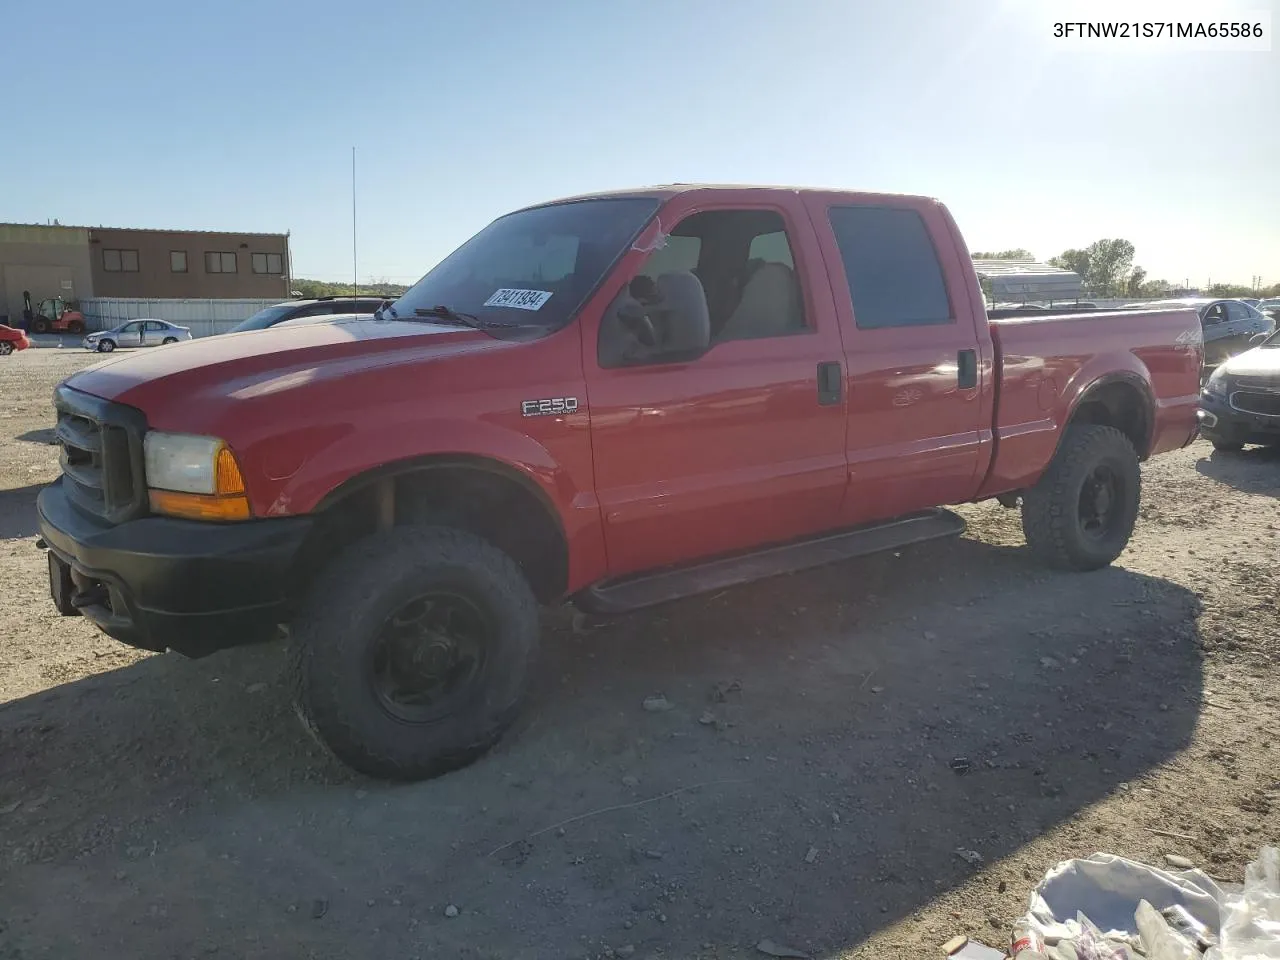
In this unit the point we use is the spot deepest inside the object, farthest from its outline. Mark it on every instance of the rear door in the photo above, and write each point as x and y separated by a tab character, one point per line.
917	352
734	445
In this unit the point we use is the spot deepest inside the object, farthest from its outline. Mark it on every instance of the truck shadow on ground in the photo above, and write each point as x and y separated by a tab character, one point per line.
45	435
18	511
1252	470
833	739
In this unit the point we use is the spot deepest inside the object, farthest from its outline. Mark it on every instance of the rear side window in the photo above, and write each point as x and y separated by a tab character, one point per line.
894	276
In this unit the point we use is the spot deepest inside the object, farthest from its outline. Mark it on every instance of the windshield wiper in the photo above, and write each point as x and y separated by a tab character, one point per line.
440	312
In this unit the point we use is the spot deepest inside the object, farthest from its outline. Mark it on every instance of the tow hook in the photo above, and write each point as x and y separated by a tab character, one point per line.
93	596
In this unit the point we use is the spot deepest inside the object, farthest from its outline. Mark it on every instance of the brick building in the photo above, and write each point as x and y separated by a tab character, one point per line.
83	262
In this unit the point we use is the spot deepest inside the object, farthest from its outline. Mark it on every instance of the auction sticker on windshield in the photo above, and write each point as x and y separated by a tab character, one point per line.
518	299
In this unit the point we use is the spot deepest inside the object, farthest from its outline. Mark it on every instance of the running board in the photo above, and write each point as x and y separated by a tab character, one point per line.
647	589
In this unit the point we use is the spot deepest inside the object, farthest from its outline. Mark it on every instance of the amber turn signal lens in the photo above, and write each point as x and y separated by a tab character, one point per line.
199	506
226	474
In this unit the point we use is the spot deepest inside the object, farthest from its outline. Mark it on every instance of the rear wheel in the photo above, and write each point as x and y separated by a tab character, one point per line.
6	348
170	339
1227	446
75	326
413	652
1082	512
106	346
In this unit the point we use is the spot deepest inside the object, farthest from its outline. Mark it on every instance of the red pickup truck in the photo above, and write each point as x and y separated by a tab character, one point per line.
615	399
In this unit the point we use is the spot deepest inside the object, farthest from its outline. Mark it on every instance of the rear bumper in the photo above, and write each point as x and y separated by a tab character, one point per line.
160	583
1220	421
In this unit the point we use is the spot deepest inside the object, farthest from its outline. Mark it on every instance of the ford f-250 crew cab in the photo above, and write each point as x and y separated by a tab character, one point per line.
616	399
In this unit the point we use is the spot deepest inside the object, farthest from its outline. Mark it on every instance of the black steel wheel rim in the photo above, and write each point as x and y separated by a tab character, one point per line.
1101	502
429	656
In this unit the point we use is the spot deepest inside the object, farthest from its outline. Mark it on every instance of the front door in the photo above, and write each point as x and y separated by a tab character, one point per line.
721	428
131	335
920	391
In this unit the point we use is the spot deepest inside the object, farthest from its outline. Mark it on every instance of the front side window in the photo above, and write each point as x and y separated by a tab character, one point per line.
1238	311
894	276
536	266
264	318
721	275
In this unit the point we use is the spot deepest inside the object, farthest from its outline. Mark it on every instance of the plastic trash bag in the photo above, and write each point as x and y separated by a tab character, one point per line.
1107	889
1159	940
1251	919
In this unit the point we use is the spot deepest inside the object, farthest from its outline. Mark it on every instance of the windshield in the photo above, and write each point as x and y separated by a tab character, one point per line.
263	318
536	266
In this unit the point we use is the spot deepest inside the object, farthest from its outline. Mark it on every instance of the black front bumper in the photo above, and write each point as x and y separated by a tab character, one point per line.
1222	422
160	583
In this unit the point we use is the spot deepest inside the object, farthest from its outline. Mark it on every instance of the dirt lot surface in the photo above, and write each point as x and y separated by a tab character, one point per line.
799	789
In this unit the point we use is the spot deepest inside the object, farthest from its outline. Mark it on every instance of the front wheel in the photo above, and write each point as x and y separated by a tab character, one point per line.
169	340
106	346
40	325
413	653
6	348
1081	514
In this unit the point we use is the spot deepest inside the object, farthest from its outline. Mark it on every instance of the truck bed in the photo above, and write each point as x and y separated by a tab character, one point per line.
1046	362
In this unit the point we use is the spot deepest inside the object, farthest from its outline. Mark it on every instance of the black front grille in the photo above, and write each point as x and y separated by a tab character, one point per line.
1265	404
101	454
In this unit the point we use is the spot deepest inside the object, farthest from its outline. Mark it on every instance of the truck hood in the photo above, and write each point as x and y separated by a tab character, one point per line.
263	361
1258	362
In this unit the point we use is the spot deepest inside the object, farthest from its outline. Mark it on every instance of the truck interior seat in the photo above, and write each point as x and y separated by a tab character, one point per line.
770	305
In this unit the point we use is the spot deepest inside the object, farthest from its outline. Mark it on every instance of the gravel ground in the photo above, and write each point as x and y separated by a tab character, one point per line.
799	789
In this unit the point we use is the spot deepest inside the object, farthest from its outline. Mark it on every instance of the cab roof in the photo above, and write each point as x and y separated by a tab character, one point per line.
669	190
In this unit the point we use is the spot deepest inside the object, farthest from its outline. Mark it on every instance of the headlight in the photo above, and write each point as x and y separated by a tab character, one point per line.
1217	385
195	477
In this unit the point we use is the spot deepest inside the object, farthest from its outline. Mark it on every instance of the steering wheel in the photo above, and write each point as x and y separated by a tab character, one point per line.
640	325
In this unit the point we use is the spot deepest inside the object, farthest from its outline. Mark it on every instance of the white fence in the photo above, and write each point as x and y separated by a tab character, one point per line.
204	317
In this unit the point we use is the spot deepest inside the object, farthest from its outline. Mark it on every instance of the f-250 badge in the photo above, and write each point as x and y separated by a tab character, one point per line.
554	407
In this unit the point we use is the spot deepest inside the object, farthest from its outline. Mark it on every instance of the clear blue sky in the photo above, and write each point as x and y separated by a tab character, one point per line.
241	115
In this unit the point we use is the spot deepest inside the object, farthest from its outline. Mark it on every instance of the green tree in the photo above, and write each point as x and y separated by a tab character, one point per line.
1109	264
1104	265
1018	253
310	289
1077	261
1154	288
1136	279
1229	290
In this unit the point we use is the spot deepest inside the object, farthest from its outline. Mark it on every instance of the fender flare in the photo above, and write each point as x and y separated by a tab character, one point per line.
1132	378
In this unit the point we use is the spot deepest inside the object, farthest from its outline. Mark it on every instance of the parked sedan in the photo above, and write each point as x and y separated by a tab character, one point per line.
1230	326
322	309
136	333
1241	402
12	339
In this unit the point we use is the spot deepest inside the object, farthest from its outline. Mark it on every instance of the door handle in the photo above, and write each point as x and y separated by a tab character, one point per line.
830	382
967	369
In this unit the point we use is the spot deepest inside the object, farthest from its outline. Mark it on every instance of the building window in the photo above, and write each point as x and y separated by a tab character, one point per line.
268	263
120	261
215	262
178	261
